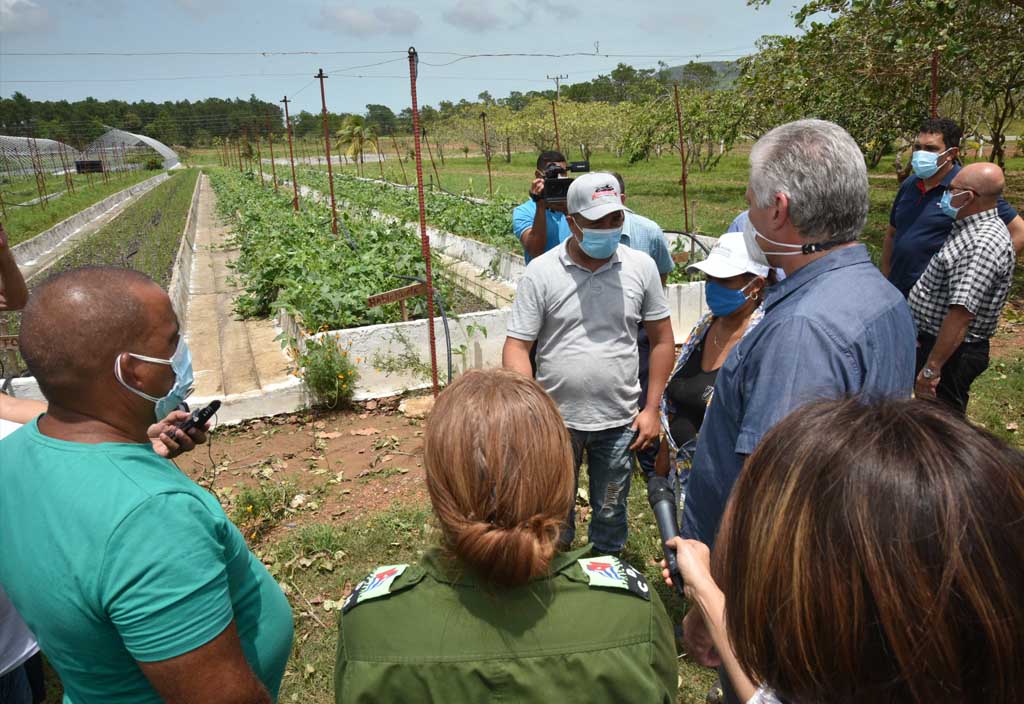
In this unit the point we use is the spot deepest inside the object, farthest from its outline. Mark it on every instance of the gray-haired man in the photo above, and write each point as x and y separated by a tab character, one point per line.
833	327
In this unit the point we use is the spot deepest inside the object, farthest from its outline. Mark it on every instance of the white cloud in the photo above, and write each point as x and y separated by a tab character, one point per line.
384	19
22	16
487	15
474	15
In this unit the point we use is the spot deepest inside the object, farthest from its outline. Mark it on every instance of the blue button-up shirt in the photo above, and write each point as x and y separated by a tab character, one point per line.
646	235
922	228
522	220
834	328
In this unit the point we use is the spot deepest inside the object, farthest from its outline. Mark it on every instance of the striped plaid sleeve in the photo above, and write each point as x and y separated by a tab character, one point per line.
974	276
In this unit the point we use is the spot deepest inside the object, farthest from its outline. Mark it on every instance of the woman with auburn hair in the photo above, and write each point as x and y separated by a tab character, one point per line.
870	552
496	612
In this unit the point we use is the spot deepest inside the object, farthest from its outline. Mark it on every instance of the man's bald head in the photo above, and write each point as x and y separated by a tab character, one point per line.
984	178
77	322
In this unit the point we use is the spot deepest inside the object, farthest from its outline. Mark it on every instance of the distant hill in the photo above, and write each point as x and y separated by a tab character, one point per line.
719	74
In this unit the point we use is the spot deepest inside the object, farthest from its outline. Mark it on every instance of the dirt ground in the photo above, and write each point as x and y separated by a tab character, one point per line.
344	464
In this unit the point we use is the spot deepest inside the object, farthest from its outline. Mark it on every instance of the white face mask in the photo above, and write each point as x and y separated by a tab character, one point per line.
754	250
757	253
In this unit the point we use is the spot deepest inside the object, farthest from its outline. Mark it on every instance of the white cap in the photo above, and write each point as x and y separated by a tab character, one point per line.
729	258
594	195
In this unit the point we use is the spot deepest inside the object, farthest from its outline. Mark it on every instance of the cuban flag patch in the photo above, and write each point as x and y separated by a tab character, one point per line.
616	574
377	583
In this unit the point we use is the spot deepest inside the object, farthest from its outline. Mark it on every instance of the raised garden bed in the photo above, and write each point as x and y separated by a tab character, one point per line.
145	237
291	261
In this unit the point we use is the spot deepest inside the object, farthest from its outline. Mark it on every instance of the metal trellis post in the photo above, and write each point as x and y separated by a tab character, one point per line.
424	240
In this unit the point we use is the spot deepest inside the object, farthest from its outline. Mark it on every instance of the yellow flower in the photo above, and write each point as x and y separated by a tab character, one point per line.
341	376
249	508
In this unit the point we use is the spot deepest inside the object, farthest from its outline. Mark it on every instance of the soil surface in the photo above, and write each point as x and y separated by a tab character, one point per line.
344	464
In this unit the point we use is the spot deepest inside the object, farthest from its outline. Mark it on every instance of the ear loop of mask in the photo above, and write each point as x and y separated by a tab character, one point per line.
120	377
809	248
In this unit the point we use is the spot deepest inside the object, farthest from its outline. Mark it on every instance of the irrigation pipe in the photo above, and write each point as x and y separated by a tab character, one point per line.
444	318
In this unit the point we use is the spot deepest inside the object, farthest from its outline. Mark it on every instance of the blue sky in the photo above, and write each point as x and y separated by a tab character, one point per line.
674	31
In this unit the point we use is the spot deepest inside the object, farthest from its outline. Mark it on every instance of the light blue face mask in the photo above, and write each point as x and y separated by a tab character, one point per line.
925	164
947	206
181	363
600	244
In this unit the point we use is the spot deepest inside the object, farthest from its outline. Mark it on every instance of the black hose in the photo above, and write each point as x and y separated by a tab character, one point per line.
444	318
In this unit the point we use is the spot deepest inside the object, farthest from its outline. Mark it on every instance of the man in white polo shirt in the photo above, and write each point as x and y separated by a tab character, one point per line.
581	304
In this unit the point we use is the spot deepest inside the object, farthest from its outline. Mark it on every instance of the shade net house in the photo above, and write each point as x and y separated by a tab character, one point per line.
24	156
115	140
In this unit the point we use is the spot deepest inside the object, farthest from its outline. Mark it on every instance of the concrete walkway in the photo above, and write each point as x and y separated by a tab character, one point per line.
230	356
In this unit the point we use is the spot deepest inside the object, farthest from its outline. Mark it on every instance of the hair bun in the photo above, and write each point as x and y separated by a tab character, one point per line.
507	556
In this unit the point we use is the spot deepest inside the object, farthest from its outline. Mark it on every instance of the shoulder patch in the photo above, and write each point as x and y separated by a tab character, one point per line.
614	573
377	583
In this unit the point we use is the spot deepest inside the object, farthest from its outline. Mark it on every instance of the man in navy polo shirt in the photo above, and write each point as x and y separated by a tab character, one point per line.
833	328
917	226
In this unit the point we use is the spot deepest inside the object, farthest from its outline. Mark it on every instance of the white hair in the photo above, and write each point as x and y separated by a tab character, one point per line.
820	168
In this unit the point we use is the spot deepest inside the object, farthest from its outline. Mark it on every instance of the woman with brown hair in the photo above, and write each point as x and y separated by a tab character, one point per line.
869	553
496	611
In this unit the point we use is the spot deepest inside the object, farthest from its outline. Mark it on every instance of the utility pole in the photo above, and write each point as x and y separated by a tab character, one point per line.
558	78
327	150
291	155
273	166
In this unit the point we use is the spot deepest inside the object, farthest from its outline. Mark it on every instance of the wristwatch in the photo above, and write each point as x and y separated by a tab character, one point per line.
929	373
536	198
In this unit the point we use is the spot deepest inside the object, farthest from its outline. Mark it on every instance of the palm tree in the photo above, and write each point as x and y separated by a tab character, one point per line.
355	136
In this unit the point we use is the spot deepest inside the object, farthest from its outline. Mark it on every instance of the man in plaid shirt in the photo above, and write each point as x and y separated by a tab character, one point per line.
957	301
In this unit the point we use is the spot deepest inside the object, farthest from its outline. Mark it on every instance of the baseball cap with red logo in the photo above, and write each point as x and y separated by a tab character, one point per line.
594	195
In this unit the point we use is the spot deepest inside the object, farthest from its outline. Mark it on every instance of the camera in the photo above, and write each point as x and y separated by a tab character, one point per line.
556	183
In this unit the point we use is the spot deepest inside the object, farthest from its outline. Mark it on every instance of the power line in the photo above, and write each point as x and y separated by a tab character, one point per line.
191	53
458	56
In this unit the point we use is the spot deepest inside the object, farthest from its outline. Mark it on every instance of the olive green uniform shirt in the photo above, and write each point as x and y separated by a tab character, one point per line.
593	631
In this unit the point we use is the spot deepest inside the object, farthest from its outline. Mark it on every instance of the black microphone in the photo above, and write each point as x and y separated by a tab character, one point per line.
663	503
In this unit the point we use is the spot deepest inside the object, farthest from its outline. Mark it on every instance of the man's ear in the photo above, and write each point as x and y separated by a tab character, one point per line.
129	369
780	213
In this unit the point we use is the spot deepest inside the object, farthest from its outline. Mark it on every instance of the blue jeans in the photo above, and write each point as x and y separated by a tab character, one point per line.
610	468
14	687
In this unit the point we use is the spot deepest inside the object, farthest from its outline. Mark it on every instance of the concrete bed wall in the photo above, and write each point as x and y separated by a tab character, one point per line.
365	346
178	290
28	251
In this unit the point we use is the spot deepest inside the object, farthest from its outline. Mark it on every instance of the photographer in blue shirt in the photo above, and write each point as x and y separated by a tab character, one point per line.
917	225
540	225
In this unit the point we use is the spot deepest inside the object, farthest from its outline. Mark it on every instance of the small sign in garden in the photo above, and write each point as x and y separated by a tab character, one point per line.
397	295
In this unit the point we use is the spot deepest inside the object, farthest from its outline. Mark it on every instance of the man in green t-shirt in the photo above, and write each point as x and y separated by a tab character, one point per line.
134	581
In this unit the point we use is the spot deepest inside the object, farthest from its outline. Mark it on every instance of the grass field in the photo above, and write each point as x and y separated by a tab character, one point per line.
25	222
